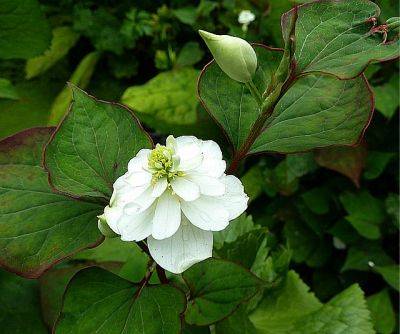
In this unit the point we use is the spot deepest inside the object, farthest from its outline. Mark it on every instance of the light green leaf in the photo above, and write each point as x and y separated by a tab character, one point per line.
382	313
294	310
92	146
334	36
387	97
64	38
235	229
366	213
170	97
376	163
229	101
345	313
317	111
7	90
19	305
80	77
280	308
24	31
99	301
37	226
391	274
217	288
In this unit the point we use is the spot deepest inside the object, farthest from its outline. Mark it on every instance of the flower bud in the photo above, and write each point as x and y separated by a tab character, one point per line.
104	228
234	55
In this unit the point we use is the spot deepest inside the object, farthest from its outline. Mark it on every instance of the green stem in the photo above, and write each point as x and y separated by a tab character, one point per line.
255	92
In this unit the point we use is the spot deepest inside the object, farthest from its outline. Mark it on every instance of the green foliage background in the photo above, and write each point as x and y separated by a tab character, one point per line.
334	212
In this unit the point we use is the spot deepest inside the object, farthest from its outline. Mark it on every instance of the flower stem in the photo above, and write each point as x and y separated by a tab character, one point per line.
161	275
254	92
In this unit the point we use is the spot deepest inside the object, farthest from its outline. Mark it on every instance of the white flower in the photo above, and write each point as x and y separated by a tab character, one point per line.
175	196
245	18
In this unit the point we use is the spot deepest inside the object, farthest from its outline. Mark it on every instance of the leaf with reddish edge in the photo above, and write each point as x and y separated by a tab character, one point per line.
348	161
217	288
338	37
38	227
229	102
92	146
97	301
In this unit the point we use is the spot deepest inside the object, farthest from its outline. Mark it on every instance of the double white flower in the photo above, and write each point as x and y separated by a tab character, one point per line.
175	196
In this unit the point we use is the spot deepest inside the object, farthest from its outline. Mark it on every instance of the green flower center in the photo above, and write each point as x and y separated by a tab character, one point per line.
162	163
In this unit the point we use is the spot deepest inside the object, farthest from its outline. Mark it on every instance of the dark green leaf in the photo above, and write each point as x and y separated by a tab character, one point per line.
92	146
334	36
391	274
366	213
99	301
217	288
237	323
24	31
300	164
392	208
376	163
387	97
317	111
37	226
317	200
382	313
229	101
253	182
19	305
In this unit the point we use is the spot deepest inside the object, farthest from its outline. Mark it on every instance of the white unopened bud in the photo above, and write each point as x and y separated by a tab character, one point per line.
234	55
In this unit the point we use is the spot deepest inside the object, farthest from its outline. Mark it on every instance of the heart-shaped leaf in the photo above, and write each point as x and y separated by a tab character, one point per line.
92	146
217	288
98	301
338	37
37	226
229	102
317	111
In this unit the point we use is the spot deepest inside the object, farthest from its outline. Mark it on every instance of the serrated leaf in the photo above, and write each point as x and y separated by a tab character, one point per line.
92	146
280	308
229	101
19	305
348	161
80	77
365	213
37	226
7	90
334	36
382	312
169	97
294	310
24	31
234	230
217	288
345	313
64	38
317	111
99	301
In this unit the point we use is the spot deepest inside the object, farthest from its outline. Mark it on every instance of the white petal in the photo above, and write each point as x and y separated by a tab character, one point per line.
139	203
234	200
212	164
139	162
208	185
159	187
188	148
206	213
137	179
167	217
136	227
211	149
112	216
125	193
189	245
186	189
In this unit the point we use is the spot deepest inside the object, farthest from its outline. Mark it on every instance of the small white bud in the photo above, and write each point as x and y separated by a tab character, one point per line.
104	228
234	55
